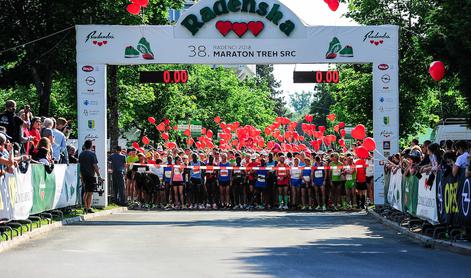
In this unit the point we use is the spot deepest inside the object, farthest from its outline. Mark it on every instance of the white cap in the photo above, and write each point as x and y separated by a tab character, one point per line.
253	157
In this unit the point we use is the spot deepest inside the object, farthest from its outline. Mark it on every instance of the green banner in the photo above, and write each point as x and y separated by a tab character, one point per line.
44	190
410	194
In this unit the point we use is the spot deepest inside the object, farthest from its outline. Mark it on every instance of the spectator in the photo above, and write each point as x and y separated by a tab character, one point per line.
72	154
462	160
6	155
88	168
118	165
12	123
62	126
47	132
26	137
35	130
59	146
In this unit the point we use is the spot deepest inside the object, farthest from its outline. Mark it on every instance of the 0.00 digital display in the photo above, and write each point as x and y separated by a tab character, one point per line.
165	76
330	76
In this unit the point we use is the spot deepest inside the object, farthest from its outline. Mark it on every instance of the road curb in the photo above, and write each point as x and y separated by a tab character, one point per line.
6	245
427	241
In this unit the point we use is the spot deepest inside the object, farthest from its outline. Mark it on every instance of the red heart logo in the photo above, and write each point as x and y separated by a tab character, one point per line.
372	41
240	28
100	43
256	27
94	42
224	27
381	41
376	43
105	42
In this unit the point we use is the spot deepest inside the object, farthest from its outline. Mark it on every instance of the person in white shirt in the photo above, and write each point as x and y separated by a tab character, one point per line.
462	161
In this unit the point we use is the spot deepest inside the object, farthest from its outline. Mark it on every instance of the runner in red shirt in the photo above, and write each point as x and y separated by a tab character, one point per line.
252	179
282	182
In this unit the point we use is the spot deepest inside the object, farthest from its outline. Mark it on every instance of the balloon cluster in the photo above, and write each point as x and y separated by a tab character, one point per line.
135	7
281	135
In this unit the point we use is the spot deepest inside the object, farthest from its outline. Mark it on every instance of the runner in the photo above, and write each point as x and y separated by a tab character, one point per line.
210	183
168	182
177	182
196	191
306	186
130	183
282	182
361	182
296	179
224	179
238	184
350	177
319	184
261	185
336	179
252	179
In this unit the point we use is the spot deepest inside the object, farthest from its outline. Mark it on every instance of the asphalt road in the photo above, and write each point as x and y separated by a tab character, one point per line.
229	244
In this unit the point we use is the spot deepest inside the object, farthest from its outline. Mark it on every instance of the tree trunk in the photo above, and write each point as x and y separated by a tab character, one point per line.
43	88
112	96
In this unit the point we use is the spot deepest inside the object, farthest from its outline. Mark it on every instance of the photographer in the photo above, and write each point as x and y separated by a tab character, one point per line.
88	168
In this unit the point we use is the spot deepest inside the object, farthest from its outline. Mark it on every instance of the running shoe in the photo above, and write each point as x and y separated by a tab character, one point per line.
280	207
131	52
334	48
347	51
144	47
324	208
285	207
215	206
318	208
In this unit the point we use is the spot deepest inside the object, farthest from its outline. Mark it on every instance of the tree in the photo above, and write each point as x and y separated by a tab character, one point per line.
301	101
321	104
267	78
418	92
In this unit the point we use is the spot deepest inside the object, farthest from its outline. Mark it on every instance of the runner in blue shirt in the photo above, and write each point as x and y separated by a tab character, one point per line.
306	185
261	185
319	184
196	192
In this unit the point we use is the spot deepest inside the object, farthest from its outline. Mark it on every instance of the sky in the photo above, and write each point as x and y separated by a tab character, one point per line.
312	12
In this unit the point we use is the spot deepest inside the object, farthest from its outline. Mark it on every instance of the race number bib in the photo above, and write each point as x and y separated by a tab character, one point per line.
349	177
168	174
318	174
336	172
261	178
224	173
141	170
307	178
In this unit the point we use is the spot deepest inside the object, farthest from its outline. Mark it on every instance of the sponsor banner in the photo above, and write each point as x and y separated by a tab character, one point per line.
92	125
34	191
395	190
5	205
44	189
24	194
464	202
177	45
410	194
387	180
427	200
68	188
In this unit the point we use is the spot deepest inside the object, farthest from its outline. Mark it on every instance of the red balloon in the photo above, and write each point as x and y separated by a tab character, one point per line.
342	142
309	118
342	125
136	145
316	145
336	128
359	132
171	145
165	136
437	70
267	131
166	121
190	141
209	133
362	152
187	133
322	129
161	127
331	117
199	145
151	120
145	140
133	9
343	133
369	144
142	3
217	119
333	4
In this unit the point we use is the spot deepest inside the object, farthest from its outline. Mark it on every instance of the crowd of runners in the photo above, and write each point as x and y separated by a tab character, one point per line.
230	179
